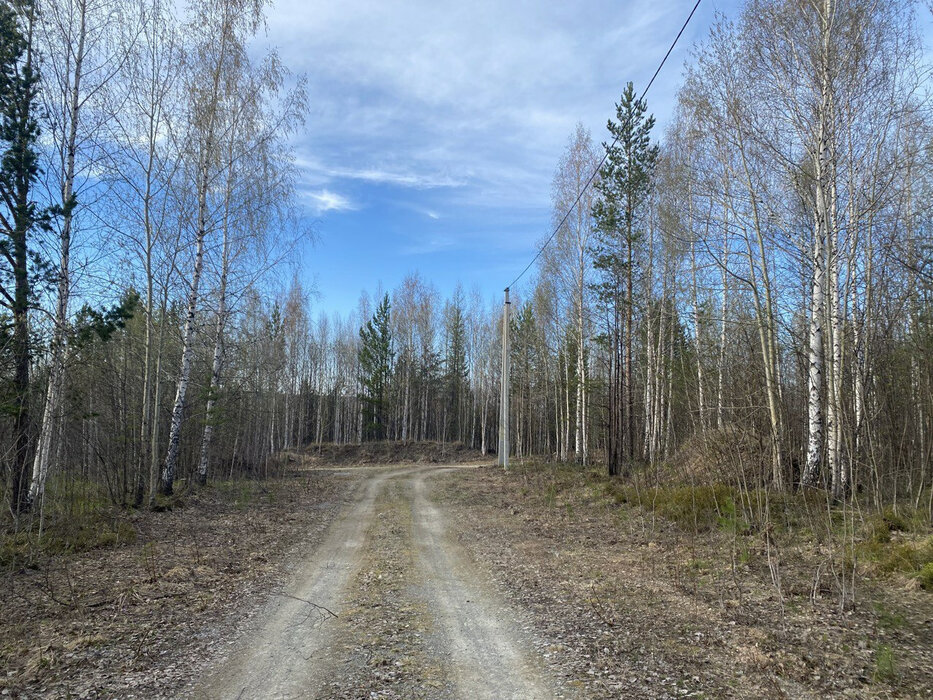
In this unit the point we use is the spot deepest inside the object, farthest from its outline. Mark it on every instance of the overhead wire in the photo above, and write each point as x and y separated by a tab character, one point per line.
602	162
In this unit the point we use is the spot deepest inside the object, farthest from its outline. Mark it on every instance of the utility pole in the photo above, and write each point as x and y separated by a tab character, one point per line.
504	403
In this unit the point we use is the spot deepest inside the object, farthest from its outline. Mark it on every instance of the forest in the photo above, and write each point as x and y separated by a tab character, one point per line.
744	298
719	377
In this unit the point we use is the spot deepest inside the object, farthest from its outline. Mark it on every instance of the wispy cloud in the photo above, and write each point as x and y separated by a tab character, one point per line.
435	244
315	172
421	181
476	98
324	201
442	121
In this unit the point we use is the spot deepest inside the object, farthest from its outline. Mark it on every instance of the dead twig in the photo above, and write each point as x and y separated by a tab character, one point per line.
308	602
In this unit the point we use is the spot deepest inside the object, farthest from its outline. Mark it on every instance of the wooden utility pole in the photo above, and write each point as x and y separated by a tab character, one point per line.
504	403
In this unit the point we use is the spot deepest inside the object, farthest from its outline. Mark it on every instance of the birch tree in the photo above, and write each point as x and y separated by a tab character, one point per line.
256	185
221	28
142	171
83	58
569	260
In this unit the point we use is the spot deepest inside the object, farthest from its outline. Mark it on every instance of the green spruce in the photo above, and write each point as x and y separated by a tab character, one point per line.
376	357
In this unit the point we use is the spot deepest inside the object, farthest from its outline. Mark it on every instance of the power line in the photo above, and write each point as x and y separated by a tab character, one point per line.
595	172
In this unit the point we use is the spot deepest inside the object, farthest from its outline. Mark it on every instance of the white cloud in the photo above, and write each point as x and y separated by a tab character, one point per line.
475	98
435	244
422	181
324	201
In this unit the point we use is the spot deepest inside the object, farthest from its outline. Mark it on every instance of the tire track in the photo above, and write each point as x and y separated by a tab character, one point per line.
290	653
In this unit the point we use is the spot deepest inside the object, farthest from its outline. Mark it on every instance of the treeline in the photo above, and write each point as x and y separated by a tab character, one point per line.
146	210
756	283
753	289
761	278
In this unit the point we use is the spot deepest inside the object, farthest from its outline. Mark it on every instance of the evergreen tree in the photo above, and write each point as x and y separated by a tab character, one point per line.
376	356
19	217
623	187
455	369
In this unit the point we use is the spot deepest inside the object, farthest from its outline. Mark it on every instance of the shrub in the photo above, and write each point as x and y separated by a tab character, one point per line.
926	576
690	507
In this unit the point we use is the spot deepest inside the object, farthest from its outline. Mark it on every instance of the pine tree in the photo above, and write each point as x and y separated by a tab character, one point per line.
19	218
455	369
623	186
376	357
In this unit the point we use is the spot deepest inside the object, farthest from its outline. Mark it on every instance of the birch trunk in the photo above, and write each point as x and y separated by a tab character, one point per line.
207	156
836	463
170	467
704	423
723	310
218	359
53	398
818	310
766	324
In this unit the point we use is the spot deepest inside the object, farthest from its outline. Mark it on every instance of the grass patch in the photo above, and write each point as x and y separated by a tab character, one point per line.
913	557
894	540
99	530
239	493
163	503
879	526
77	516
889	619
694	508
885	669
926	576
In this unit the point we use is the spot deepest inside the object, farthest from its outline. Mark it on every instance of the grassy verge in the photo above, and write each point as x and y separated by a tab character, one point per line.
723	591
104	618
79	517
893	542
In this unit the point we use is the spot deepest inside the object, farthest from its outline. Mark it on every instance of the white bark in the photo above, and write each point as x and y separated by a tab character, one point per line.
53	398
205	116
723	310
218	358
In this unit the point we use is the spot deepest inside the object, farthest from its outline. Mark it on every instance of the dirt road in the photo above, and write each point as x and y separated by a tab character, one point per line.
387	606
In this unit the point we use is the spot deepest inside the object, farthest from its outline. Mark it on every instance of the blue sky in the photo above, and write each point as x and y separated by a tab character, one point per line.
434	127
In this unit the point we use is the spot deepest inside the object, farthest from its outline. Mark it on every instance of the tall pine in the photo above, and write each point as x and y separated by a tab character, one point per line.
376	357
19	217
623	187
456	371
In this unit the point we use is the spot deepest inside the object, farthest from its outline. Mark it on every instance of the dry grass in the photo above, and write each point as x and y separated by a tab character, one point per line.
666	593
117	621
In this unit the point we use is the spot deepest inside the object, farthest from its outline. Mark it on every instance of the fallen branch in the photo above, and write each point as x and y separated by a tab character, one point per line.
308	602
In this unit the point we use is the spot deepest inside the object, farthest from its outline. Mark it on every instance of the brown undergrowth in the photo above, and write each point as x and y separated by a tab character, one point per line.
387	452
703	592
138	616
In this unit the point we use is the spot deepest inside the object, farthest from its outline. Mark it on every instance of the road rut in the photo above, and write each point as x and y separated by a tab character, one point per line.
467	643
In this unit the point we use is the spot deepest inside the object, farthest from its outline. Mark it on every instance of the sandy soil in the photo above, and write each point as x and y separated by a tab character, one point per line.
388	606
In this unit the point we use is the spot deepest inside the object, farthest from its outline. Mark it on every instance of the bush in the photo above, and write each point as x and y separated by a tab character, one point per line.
690	507
926	576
